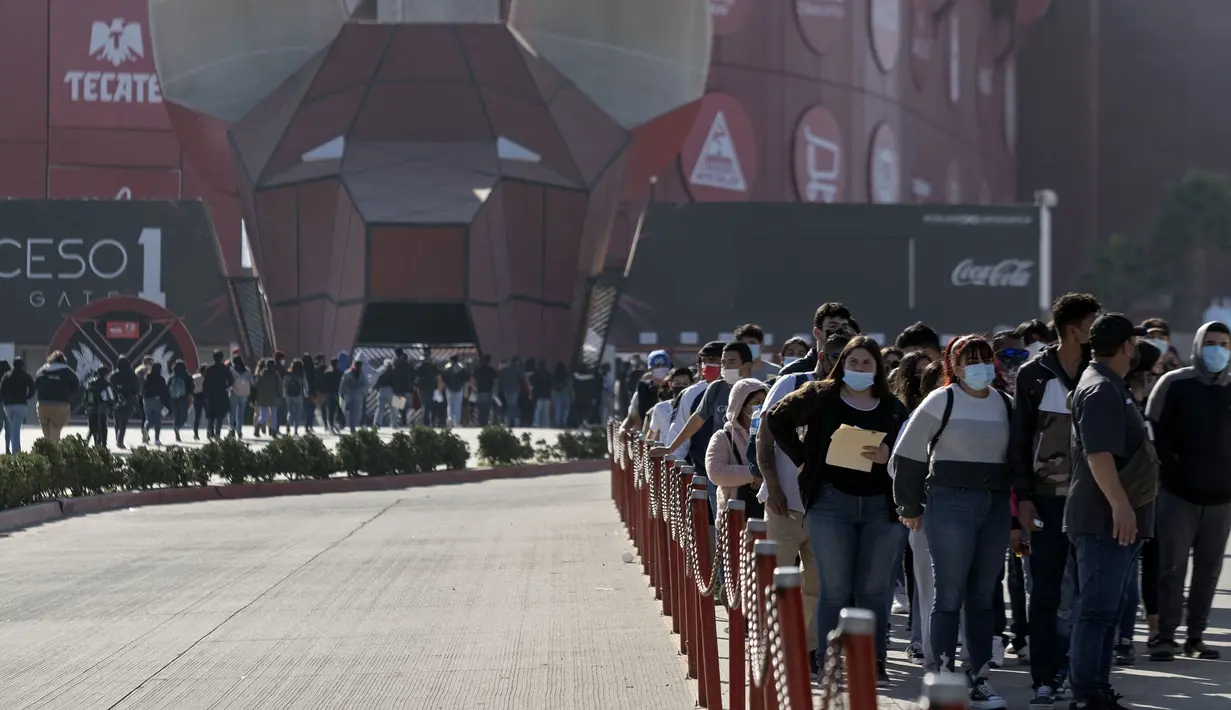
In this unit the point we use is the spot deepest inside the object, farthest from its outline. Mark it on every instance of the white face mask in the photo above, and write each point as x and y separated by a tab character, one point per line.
731	376
789	360
1034	349
660	373
1159	344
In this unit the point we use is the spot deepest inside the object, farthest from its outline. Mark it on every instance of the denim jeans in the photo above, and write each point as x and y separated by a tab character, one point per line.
152	406
1104	567
483	401
15	415
454	400
542	413
1050	551
1128	607
268	416
559	409
354	411
294	412
4	420
384	409
512	407
855	542
971	527
237	413
179	410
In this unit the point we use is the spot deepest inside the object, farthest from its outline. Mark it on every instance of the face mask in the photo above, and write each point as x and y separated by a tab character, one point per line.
756	350
1215	357
660	373
790	360
731	376
751	411
1034	349
978	376
858	381
676	390
1158	344
710	372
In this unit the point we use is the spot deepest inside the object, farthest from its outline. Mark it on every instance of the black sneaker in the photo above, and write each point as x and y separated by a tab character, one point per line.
882	676
1043	698
814	662
1125	653
984	697
1164	651
1196	648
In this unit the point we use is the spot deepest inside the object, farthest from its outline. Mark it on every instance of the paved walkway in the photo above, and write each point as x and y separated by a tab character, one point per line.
505	594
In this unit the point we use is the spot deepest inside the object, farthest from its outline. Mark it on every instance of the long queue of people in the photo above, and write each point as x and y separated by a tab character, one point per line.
1078	461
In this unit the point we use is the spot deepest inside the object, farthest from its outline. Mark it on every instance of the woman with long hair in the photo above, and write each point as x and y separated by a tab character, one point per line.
951	482
906	381
155	397
852	525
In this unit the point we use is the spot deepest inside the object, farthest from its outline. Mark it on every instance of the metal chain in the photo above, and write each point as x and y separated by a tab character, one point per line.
777	649
655	504
833	674
719	560
758	655
692	566
736	577
748	592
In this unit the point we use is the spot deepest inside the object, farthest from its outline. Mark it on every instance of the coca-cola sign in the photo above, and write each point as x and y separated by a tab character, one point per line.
1009	273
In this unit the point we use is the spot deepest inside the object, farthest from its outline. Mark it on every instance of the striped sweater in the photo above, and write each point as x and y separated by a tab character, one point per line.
971	451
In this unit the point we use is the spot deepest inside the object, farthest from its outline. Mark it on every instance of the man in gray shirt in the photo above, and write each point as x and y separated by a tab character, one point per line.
1106	529
754	337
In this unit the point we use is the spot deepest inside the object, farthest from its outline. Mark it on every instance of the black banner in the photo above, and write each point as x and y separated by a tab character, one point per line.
707	268
56	256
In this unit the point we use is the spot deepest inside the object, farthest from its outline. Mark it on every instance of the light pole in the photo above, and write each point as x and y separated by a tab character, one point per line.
1045	200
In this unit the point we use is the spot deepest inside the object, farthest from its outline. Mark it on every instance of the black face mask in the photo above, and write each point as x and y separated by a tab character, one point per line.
676	390
1087	351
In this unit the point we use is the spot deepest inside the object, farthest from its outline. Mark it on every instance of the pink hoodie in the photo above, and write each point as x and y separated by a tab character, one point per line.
726	458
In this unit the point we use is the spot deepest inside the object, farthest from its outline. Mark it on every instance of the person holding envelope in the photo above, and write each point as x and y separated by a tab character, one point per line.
852	421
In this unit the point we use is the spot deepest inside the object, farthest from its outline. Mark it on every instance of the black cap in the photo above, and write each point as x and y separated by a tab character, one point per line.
1113	329
712	349
1148	357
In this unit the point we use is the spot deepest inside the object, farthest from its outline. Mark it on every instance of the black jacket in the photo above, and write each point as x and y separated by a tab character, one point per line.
1039	436
215	386
16	387
154	386
127	388
1190	411
331	381
56	383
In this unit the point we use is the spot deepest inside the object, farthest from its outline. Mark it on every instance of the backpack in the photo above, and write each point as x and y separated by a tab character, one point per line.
242	386
944	419
92	399
753	506
294	387
178	389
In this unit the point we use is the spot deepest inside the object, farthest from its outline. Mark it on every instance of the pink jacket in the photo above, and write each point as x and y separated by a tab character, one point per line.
726	462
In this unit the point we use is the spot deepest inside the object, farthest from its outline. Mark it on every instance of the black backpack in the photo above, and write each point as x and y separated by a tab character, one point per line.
944	419
294	387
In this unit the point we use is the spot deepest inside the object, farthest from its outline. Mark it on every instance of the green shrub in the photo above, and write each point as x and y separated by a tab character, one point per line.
24	479
363	451
583	445
80	468
231	459
321	462
499	446
184	468
545	452
147	468
285	456
455	452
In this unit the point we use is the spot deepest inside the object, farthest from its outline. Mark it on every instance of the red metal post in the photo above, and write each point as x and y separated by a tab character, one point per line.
945	691
683	598
710	674
662	534
858	630
735	616
787	581
765	555
757	532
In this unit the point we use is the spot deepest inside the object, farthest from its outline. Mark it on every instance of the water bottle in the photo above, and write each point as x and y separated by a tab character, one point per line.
756	421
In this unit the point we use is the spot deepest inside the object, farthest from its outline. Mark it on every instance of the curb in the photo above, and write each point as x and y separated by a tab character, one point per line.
40	513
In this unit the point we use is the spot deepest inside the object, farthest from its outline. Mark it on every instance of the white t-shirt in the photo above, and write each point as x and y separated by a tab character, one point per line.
660	419
788	472
680	418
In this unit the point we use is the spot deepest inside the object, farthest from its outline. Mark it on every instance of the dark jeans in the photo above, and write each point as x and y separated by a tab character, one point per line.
1049	554
1183	526
855	543
122	414
152	406
969	530
1017	598
97	419
330	405
198	413
179	412
1104	567
1149	576
1128	607
427	406
483	400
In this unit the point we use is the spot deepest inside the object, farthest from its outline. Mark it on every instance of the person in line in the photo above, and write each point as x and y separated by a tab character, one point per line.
753	336
353	391
5	368
644	391
454	378
951	481
511	376
1192	432
55	383
483	382
180	388
561	395
281	366
241	390
427	381
829	319
1110	506
892	357
265	393
1040	457
540	395
793	350
331	385
780	490
97	401
920	337
142	371
1035	335
1158	334
311	389
658	424
854	531
215	387
709	369
293	388
198	401
127	397
1011	354
726	459
384	393
16	390
155	397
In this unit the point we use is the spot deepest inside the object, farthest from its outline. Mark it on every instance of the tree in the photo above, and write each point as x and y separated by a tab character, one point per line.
1193	222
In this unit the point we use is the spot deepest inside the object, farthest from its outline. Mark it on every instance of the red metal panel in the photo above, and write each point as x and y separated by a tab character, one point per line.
102	66
354	257
346	328
565	219
109	148
317	202
311	330
316	123
24	171
486	321
481	266
23	81
224	209
286	326
275	258
113	183
523	229
417	262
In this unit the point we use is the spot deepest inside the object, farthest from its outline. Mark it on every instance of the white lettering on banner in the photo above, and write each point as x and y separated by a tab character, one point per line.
823	9
115	42
70	251
1009	273
151	275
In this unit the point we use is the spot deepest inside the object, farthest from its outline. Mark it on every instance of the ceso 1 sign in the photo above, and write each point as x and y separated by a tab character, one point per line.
70	273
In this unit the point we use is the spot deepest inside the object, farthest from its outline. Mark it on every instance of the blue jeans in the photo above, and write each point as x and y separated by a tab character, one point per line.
454	400
855	543
269	417
153	416
512	407
969	529
542	413
384	398
1104	568
179	410
559	409
294	412
1132	597
237	413
354	411
15	416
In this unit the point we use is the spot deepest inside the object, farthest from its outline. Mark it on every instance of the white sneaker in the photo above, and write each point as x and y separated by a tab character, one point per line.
900	604
997	652
984	697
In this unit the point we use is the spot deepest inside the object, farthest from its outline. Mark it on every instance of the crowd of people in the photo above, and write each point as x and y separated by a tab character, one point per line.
1080	461
280	395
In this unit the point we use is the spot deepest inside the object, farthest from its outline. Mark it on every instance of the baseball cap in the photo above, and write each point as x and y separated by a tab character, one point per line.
1112	329
712	349
659	358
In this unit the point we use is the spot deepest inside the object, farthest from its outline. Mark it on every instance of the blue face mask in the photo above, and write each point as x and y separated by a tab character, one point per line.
978	376
1215	357
858	381
789	360
756	350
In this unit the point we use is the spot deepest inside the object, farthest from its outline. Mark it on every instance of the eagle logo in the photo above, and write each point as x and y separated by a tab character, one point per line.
117	42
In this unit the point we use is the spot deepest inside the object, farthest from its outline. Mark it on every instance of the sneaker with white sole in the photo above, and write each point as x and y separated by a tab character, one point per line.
900	604
984	697
1044	698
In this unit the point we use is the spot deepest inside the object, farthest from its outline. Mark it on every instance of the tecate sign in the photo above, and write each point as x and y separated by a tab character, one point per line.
116	43
1009	273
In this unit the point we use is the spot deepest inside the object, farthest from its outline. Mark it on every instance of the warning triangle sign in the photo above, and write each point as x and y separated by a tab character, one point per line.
718	165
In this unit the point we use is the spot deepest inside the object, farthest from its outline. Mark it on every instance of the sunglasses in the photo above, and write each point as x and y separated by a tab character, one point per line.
1013	355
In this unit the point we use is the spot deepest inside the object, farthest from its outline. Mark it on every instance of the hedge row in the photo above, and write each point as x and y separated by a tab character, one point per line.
73	467
499	446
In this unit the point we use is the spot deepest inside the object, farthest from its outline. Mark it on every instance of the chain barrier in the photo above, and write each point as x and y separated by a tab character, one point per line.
757	631
655	494
711	588
777	649
692	565
833	674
